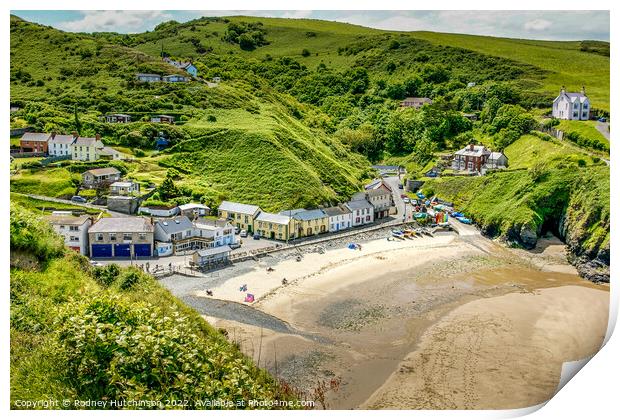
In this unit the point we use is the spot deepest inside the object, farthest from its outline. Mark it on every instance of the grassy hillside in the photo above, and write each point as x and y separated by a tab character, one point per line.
566	63
560	63
81	333
551	186
265	146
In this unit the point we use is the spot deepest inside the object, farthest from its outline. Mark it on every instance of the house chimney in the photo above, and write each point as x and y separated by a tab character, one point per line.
471	147
74	134
53	134
583	90
98	136
562	90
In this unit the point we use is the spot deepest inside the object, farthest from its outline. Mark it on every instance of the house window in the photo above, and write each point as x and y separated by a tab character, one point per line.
113	236
142	236
127	236
99	237
62	227
74	238
74	228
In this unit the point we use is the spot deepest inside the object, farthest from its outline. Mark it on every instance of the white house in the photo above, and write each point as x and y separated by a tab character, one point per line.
340	217
124	187
185	235
219	230
60	144
85	148
571	105
74	229
159	211
193	210
362	212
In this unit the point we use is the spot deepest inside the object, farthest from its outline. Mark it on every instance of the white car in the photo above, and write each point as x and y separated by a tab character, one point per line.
243	233
407	200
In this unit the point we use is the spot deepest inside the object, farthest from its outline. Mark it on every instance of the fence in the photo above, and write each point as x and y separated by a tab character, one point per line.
52	159
558	134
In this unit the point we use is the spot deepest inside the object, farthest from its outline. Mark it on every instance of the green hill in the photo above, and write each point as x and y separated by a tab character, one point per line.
245	141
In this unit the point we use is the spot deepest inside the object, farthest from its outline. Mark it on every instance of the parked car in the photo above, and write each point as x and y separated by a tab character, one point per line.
95	263
235	245
78	199
406	200
237	230
256	236
602	119
243	233
400	186
403	195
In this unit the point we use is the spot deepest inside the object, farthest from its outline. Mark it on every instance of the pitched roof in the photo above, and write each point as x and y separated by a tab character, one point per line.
291	213
413	99
477	150
86	141
123	184
42	137
279	219
310	215
231	206
122	224
175	225
102	171
190	206
496	155
336	211
214	251
62	139
67	219
358	204
147	75
204	223
108	151
379	191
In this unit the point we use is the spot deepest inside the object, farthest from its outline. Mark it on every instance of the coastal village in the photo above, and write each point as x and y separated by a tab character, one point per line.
211	236
304	211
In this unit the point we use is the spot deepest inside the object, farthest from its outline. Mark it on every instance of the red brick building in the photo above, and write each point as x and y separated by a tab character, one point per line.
34	142
471	158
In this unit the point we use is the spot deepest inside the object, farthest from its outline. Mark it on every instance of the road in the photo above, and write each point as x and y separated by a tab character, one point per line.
603	128
72	203
401	207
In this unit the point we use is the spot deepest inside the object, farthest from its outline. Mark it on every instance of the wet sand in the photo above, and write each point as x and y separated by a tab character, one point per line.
444	322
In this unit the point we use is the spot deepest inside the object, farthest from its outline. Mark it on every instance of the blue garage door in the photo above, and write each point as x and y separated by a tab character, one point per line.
122	250
142	250
101	251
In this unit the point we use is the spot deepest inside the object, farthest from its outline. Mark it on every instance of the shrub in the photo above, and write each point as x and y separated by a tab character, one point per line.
119	350
31	234
305	53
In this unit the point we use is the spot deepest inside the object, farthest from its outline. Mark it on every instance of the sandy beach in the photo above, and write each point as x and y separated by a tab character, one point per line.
450	321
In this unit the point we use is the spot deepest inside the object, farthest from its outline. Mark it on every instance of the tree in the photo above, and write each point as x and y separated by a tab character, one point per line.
78	124
167	189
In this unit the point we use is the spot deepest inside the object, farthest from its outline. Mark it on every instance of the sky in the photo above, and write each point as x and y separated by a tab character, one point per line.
549	25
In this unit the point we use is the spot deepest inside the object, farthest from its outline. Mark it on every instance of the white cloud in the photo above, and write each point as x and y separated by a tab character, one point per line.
537	25
126	21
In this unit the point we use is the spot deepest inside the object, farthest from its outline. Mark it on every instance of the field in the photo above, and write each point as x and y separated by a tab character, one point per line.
530	150
584	128
47	207
567	65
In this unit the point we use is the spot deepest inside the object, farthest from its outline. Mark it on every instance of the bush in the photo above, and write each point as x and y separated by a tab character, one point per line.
31	234
133	351
305	53
106	275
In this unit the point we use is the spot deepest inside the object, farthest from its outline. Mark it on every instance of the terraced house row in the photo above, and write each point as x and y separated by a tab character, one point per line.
70	146
365	207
